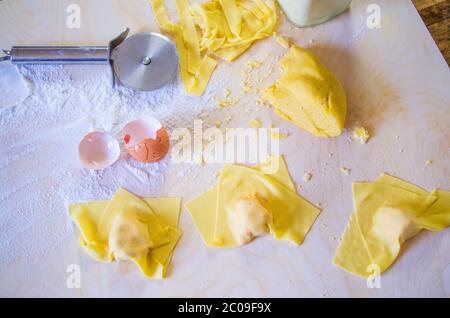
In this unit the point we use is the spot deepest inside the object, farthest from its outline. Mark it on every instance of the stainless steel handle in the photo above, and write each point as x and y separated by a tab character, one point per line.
59	55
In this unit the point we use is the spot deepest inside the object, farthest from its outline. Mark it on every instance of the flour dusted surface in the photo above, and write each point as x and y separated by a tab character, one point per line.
39	169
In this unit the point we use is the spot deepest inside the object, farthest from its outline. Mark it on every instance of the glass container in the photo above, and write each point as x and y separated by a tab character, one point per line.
304	13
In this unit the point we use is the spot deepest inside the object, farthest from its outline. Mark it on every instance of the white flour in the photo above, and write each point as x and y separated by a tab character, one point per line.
39	169
13	87
40	174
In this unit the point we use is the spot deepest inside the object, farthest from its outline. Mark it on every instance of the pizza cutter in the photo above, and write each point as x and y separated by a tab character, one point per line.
144	61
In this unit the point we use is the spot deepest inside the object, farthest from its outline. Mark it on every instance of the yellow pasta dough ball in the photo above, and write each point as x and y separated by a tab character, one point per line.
308	94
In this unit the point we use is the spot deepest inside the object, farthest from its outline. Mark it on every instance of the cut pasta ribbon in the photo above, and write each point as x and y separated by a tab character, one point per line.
387	213
249	202
227	29
130	228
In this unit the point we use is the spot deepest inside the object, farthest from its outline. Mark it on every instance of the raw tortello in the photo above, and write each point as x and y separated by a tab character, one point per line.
270	188
387	212
130	228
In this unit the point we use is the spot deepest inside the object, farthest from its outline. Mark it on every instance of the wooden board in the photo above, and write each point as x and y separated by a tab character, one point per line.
397	85
435	14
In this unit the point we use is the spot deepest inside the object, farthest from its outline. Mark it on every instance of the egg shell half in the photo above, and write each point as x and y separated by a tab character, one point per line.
98	150
146	140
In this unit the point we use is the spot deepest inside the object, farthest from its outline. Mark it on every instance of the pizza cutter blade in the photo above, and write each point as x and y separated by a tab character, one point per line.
144	61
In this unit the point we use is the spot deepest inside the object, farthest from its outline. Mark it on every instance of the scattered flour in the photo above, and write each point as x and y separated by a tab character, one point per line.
40	174
13	87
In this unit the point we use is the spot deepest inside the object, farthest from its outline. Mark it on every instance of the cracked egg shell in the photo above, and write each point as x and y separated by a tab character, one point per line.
146	139
98	150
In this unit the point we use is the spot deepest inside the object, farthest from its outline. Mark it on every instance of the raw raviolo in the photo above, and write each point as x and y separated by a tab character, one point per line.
308	94
227	29
249	192
130	228
387	213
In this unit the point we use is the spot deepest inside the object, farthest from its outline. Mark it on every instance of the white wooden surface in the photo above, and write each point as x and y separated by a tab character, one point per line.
397	84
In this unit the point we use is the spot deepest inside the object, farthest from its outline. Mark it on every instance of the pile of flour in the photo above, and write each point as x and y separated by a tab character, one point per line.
40	174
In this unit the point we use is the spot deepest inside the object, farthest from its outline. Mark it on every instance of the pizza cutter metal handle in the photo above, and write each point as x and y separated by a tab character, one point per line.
144	61
20	55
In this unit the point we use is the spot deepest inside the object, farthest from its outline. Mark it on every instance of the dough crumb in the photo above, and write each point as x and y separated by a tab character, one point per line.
254	123
307	177
200	161
260	101
277	135
227	102
361	134
346	170
226	92
429	162
254	64
247	84
283	41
